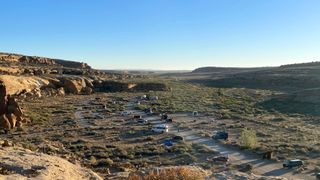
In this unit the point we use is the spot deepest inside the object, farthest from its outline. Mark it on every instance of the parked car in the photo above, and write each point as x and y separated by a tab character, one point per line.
177	138
164	116
221	135
168	143
293	163
195	113
318	175
160	128
137	117
154	98
125	113
148	111
220	159
142	121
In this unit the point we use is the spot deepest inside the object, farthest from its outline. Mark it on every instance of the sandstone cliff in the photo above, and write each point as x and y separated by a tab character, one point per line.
35	60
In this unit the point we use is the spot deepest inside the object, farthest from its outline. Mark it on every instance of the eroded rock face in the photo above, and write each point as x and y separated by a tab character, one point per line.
72	64
10	114
36	60
74	85
4	122
3	100
87	90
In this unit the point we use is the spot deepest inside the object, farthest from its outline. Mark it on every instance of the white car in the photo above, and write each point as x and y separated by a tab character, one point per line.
125	113
160	128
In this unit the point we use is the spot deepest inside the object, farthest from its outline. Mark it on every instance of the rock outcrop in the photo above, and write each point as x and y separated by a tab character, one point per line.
76	85
73	85
19	163
17	84
10	112
72	64
3	95
35	60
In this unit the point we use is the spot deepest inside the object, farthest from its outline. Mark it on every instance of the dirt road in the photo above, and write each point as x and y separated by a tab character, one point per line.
261	166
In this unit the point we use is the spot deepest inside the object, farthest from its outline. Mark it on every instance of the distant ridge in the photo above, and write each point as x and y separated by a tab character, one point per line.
210	69
36	60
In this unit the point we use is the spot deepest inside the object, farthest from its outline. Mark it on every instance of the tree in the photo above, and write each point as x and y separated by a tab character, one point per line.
248	138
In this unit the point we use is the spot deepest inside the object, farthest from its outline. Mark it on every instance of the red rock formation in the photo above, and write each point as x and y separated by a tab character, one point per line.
3	98
10	112
36	60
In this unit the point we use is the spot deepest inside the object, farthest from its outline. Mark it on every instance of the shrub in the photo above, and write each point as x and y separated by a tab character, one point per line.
104	162
248	138
169	174
246	167
202	148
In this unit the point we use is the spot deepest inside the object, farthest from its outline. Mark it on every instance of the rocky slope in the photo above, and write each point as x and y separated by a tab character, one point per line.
18	163
35	60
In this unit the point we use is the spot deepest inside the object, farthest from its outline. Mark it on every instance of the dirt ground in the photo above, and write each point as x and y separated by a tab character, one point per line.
90	130
273	137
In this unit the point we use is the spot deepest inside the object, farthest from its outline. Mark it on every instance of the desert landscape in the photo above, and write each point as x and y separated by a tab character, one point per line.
160	90
81	123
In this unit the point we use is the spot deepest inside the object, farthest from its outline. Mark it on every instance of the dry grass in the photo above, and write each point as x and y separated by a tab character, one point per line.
169	174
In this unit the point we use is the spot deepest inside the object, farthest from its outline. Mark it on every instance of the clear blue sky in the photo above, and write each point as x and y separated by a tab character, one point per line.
164	34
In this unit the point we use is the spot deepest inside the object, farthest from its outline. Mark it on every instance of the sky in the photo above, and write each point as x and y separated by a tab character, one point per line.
164	34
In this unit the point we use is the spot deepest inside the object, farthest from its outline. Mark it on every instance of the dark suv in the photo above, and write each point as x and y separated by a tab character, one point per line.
293	163
221	135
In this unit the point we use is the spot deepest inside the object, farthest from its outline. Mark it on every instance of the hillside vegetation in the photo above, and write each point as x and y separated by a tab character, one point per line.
296	80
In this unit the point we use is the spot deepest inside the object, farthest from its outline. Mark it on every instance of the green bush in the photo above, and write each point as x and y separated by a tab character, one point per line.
248	138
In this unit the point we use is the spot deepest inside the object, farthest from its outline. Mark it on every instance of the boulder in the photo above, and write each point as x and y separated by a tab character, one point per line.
28	71
87	90
54	83
39	72
60	91
4	122
12	120
16	84
74	85
88	83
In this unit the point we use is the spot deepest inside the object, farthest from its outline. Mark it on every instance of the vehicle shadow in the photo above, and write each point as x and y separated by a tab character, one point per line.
277	172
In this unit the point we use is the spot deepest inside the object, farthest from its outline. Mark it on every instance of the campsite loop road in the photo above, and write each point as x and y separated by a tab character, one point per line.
261	166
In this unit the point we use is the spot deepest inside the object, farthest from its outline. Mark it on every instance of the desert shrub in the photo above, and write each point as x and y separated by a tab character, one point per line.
226	116
30	146
246	167
181	148
93	160
149	138
202	148
185	159
104	162
248	138
169	174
